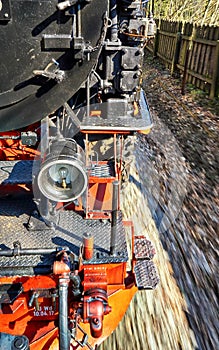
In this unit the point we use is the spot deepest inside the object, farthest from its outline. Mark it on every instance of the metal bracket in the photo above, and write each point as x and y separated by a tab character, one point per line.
52	73
68	3
63	42
56	42
9	293
82	343
38	223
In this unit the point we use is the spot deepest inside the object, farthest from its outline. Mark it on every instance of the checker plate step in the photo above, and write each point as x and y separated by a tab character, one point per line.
69	231
146	275
143	248
142	121
16	172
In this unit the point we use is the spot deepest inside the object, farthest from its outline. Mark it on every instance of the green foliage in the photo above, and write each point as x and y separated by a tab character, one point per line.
197	11
203	99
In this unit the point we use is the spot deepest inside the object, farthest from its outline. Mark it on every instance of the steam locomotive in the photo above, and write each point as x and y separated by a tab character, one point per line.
70	98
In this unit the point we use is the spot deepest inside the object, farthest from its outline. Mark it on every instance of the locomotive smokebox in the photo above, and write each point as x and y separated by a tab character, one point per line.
63	177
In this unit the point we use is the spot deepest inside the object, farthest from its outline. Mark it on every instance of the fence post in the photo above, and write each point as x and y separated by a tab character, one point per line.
187	60
184	77
215	79
156	42
176	52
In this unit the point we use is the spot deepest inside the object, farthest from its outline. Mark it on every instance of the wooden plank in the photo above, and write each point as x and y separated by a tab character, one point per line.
206	68
203	59
164	58
205	34
183	50
202	41
193	57
192	73
160	44
150	49
168	49
215	78
156	42
168	34
196	66
176	52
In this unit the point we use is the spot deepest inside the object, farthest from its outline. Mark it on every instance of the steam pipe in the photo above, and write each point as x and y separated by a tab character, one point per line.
114	19
88	96
64	341
10	271
17	251
114	216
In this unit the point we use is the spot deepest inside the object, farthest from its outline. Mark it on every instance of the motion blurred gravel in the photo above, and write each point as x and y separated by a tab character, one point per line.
172	197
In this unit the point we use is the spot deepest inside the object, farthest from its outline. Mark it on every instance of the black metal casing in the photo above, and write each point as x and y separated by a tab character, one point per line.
31	38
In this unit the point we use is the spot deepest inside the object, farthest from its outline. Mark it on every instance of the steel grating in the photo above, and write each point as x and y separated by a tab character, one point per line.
68	232
146	274
117	123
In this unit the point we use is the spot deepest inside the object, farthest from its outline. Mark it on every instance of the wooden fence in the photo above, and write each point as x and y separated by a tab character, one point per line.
194	50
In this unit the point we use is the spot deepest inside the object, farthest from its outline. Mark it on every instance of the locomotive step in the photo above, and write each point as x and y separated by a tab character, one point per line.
16	172
119	120
146	275
68	232
143	248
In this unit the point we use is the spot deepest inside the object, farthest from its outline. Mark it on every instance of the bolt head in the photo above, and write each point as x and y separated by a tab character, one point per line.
18	343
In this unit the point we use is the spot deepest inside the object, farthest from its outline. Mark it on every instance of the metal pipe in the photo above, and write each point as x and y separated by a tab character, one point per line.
79	21
10	137
114	19
88	242
44	134
10	271
28	251
88	96
114	217
64	339
44	206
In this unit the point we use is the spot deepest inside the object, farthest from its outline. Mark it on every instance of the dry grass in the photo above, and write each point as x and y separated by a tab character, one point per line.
155	319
